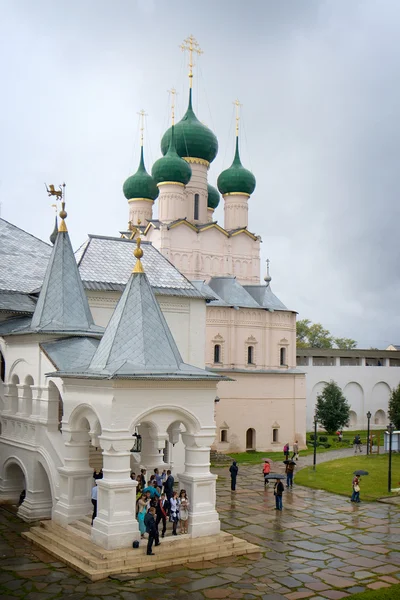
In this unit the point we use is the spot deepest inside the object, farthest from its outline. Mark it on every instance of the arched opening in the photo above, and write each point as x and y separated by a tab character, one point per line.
196	207
250	439
14	483
55	407
283	357
2	368
224	435
217	353
353	419
275	435
27	396
250	355
380	417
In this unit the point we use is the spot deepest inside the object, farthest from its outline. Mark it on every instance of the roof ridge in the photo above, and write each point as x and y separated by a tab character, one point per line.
24	231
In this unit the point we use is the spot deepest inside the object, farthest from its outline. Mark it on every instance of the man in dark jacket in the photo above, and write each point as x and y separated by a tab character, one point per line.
151	529
162	512
169	485
278	493
233	469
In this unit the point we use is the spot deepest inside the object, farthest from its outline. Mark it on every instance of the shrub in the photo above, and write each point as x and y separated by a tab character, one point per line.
323	438
312	437
326	445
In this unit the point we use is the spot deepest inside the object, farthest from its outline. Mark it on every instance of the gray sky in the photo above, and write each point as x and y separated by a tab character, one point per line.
319	83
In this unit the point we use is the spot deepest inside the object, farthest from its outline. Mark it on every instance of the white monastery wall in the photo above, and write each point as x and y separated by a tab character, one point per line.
367	388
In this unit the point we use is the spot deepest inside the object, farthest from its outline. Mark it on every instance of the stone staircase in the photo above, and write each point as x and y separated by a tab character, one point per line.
73	546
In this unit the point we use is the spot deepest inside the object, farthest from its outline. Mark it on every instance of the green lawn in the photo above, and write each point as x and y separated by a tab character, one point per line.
336	476
390	593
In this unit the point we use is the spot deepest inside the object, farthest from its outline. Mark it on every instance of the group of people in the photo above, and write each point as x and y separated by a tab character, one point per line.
156	502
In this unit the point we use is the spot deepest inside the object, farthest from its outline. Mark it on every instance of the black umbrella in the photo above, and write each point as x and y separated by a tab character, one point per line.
275	476
289	462
360	473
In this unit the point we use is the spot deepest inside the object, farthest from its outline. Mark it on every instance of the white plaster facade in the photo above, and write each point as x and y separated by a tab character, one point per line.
366	385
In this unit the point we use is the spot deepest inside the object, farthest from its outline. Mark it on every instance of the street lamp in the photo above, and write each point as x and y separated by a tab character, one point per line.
369	418
315	440
390	430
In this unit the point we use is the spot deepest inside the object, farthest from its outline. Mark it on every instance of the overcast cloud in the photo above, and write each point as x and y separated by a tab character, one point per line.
319	81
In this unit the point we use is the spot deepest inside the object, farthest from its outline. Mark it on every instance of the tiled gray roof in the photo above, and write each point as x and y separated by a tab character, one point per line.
16	302
23	259
137	342
71	353
231	292
263	295
105	263
62	305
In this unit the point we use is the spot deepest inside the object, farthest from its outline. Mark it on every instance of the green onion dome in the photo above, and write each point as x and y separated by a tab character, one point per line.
141	184
213	197
171	167
236	179
192	138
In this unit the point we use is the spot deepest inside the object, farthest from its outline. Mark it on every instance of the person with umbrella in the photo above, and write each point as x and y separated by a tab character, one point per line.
266	471
278	493
289	470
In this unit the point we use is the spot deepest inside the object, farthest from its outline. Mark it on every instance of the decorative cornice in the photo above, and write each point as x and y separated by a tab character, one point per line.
141	200
196	161
251	235
236	194
184	222
215	226
170	183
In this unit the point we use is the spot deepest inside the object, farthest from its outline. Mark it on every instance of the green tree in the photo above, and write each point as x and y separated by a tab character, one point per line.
345	343
394	407
332	410
314	335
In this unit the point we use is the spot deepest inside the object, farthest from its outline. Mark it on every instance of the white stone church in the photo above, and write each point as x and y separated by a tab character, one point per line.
179	344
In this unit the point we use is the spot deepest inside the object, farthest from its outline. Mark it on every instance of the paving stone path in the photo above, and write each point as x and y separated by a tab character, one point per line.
319	547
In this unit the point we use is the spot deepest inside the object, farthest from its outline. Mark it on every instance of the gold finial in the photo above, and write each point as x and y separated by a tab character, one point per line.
237	115
173	93
138	253
59	194
191	45
142	115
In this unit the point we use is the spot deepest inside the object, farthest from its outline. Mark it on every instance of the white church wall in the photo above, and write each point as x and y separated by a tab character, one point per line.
367	388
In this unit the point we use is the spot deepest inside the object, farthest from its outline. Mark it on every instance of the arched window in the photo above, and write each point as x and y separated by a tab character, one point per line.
250	355
283	356
275	435
217	353
224	435
196	207
2	368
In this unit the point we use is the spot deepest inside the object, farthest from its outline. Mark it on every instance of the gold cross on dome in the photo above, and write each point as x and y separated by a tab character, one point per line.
173	93
237	115
142	115
191	45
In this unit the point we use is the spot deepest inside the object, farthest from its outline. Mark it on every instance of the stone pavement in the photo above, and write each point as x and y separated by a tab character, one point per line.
319	547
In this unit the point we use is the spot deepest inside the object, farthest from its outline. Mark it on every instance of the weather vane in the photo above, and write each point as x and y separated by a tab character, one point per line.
191	45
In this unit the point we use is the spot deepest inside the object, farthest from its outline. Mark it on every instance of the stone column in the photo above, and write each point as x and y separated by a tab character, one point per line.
200	484
153	445
116	525
76	478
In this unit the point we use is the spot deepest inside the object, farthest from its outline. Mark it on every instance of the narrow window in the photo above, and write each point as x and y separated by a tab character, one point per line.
224	435
275	435
196	207
283	356
217	353
250	355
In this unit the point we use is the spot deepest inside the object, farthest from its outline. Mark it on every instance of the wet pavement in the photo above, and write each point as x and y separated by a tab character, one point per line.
319	547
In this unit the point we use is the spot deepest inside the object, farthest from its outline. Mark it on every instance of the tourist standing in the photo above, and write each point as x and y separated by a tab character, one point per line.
142	506
278	493
233	469
169	485
143	478
174	511
357	444
162	512
286	451
183	511
355	496
94	501
295	451
289	474
151	529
